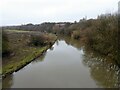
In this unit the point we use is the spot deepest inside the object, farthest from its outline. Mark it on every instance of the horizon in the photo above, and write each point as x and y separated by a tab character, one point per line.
22	12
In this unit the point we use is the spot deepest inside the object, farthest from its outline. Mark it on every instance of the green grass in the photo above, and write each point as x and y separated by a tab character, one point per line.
9	68
19	31
21	52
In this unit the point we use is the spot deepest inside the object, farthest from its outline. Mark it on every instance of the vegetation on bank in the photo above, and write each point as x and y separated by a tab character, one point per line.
22	48
101	34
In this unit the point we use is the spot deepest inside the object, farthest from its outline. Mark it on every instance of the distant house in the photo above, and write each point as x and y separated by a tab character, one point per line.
59	25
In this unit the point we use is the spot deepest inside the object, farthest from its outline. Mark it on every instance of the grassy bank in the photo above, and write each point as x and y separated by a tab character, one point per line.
12	67
22	51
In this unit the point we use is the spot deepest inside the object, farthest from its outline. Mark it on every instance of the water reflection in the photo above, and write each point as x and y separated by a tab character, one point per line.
7	82
103	70
105	73
71	41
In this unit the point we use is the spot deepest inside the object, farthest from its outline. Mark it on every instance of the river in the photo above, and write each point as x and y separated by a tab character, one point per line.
65	65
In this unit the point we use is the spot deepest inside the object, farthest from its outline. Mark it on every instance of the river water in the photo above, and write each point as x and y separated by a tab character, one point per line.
65	65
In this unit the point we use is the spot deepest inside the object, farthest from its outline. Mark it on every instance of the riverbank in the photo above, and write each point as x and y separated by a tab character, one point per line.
9	69
21	52
56	68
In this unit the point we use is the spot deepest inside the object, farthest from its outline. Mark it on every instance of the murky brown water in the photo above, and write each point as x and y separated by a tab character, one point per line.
65	65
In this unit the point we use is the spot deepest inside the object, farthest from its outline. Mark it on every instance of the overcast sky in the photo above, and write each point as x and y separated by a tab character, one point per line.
16	12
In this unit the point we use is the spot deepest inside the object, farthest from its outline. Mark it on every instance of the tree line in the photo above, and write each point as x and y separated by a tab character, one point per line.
101	34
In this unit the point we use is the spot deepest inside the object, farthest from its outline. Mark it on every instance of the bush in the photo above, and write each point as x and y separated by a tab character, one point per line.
37	40
41	40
